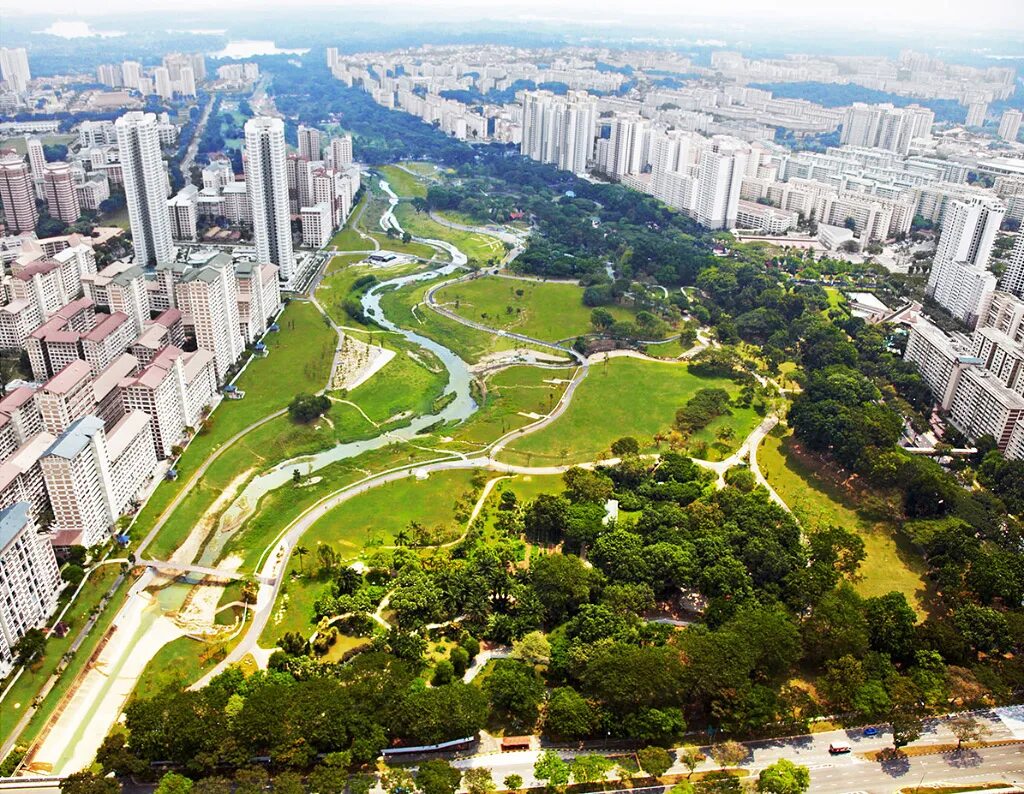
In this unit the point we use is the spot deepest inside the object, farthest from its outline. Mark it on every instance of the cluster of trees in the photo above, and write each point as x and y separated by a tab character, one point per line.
702	409
305	408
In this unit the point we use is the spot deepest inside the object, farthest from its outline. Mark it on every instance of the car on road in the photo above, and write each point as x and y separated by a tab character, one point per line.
838	749
871	731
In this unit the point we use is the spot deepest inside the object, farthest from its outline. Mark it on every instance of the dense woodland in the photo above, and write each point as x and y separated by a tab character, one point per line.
778	634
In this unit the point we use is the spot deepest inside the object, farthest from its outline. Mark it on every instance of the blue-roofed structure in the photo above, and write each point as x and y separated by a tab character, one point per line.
76	438
13	520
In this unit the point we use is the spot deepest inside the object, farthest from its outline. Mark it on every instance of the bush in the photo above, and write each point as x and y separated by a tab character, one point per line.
307	407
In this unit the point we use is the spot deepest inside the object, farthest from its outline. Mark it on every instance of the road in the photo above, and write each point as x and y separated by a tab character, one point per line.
193	145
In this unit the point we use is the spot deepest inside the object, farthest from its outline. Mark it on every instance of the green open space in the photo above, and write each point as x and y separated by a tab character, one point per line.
367	521
180	663
299	360
891	563
504	397
403	183
342	272
480	248
19	144
546	310
627	397
25	689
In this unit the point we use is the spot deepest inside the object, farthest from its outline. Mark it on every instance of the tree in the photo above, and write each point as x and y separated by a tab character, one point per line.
304	408
478	780
967	729
437	776
551	768
655	761
516	691
590	768
444	673
253	780
691	757
290	783
627	445
30	646
89	783
534	649
301	552
784	777
173	783
728	753
891	623
569	715
513	782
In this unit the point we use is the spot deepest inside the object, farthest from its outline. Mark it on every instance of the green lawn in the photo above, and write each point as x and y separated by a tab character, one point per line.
625	397
546	310
29	683
406	308
299	361
363	523
19	144
477	247
403	183
504	397
180	663
891	564
342	272
348	239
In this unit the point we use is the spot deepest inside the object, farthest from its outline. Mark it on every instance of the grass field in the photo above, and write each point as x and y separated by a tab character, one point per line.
891	563
29	683
342	272
365	522
403	183
299	361
180	663
481	248
19	144
504	399
546	310
405	307
625	397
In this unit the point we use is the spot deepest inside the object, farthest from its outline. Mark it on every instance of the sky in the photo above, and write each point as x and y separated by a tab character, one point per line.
951	14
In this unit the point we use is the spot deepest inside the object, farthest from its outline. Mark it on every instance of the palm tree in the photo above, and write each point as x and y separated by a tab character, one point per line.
300	552
401	537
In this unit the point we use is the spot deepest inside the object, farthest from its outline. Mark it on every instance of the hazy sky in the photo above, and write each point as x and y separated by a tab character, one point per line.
994	14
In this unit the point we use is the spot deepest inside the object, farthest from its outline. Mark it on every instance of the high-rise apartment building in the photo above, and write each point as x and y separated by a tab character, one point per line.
18	194
309	143
340	152
627	145
131	74
1013	278
1009	124
162	82
145	187
976	112
559	130
267	184
184	213
210	296
29	580
36	162
316	225
14	68
719	176
59	189
959	279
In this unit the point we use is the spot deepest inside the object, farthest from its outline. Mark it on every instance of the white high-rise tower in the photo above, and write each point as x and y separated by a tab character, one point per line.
266	179
145	187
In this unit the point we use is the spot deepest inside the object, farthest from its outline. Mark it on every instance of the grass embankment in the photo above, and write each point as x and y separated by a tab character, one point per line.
342	273
77	664
552	311
365	522
27	687
628	397
299	361
817	501
403	183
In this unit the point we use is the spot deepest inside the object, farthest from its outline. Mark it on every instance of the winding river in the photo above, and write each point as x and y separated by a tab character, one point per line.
456	409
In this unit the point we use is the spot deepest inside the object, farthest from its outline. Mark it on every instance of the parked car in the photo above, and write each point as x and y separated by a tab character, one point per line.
871	731
838	749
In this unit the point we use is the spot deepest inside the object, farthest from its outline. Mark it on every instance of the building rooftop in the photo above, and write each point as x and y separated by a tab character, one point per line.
108	380
16	306
16	399
125	432
24	458
12	521
107	326
39	267
68	378
73	440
